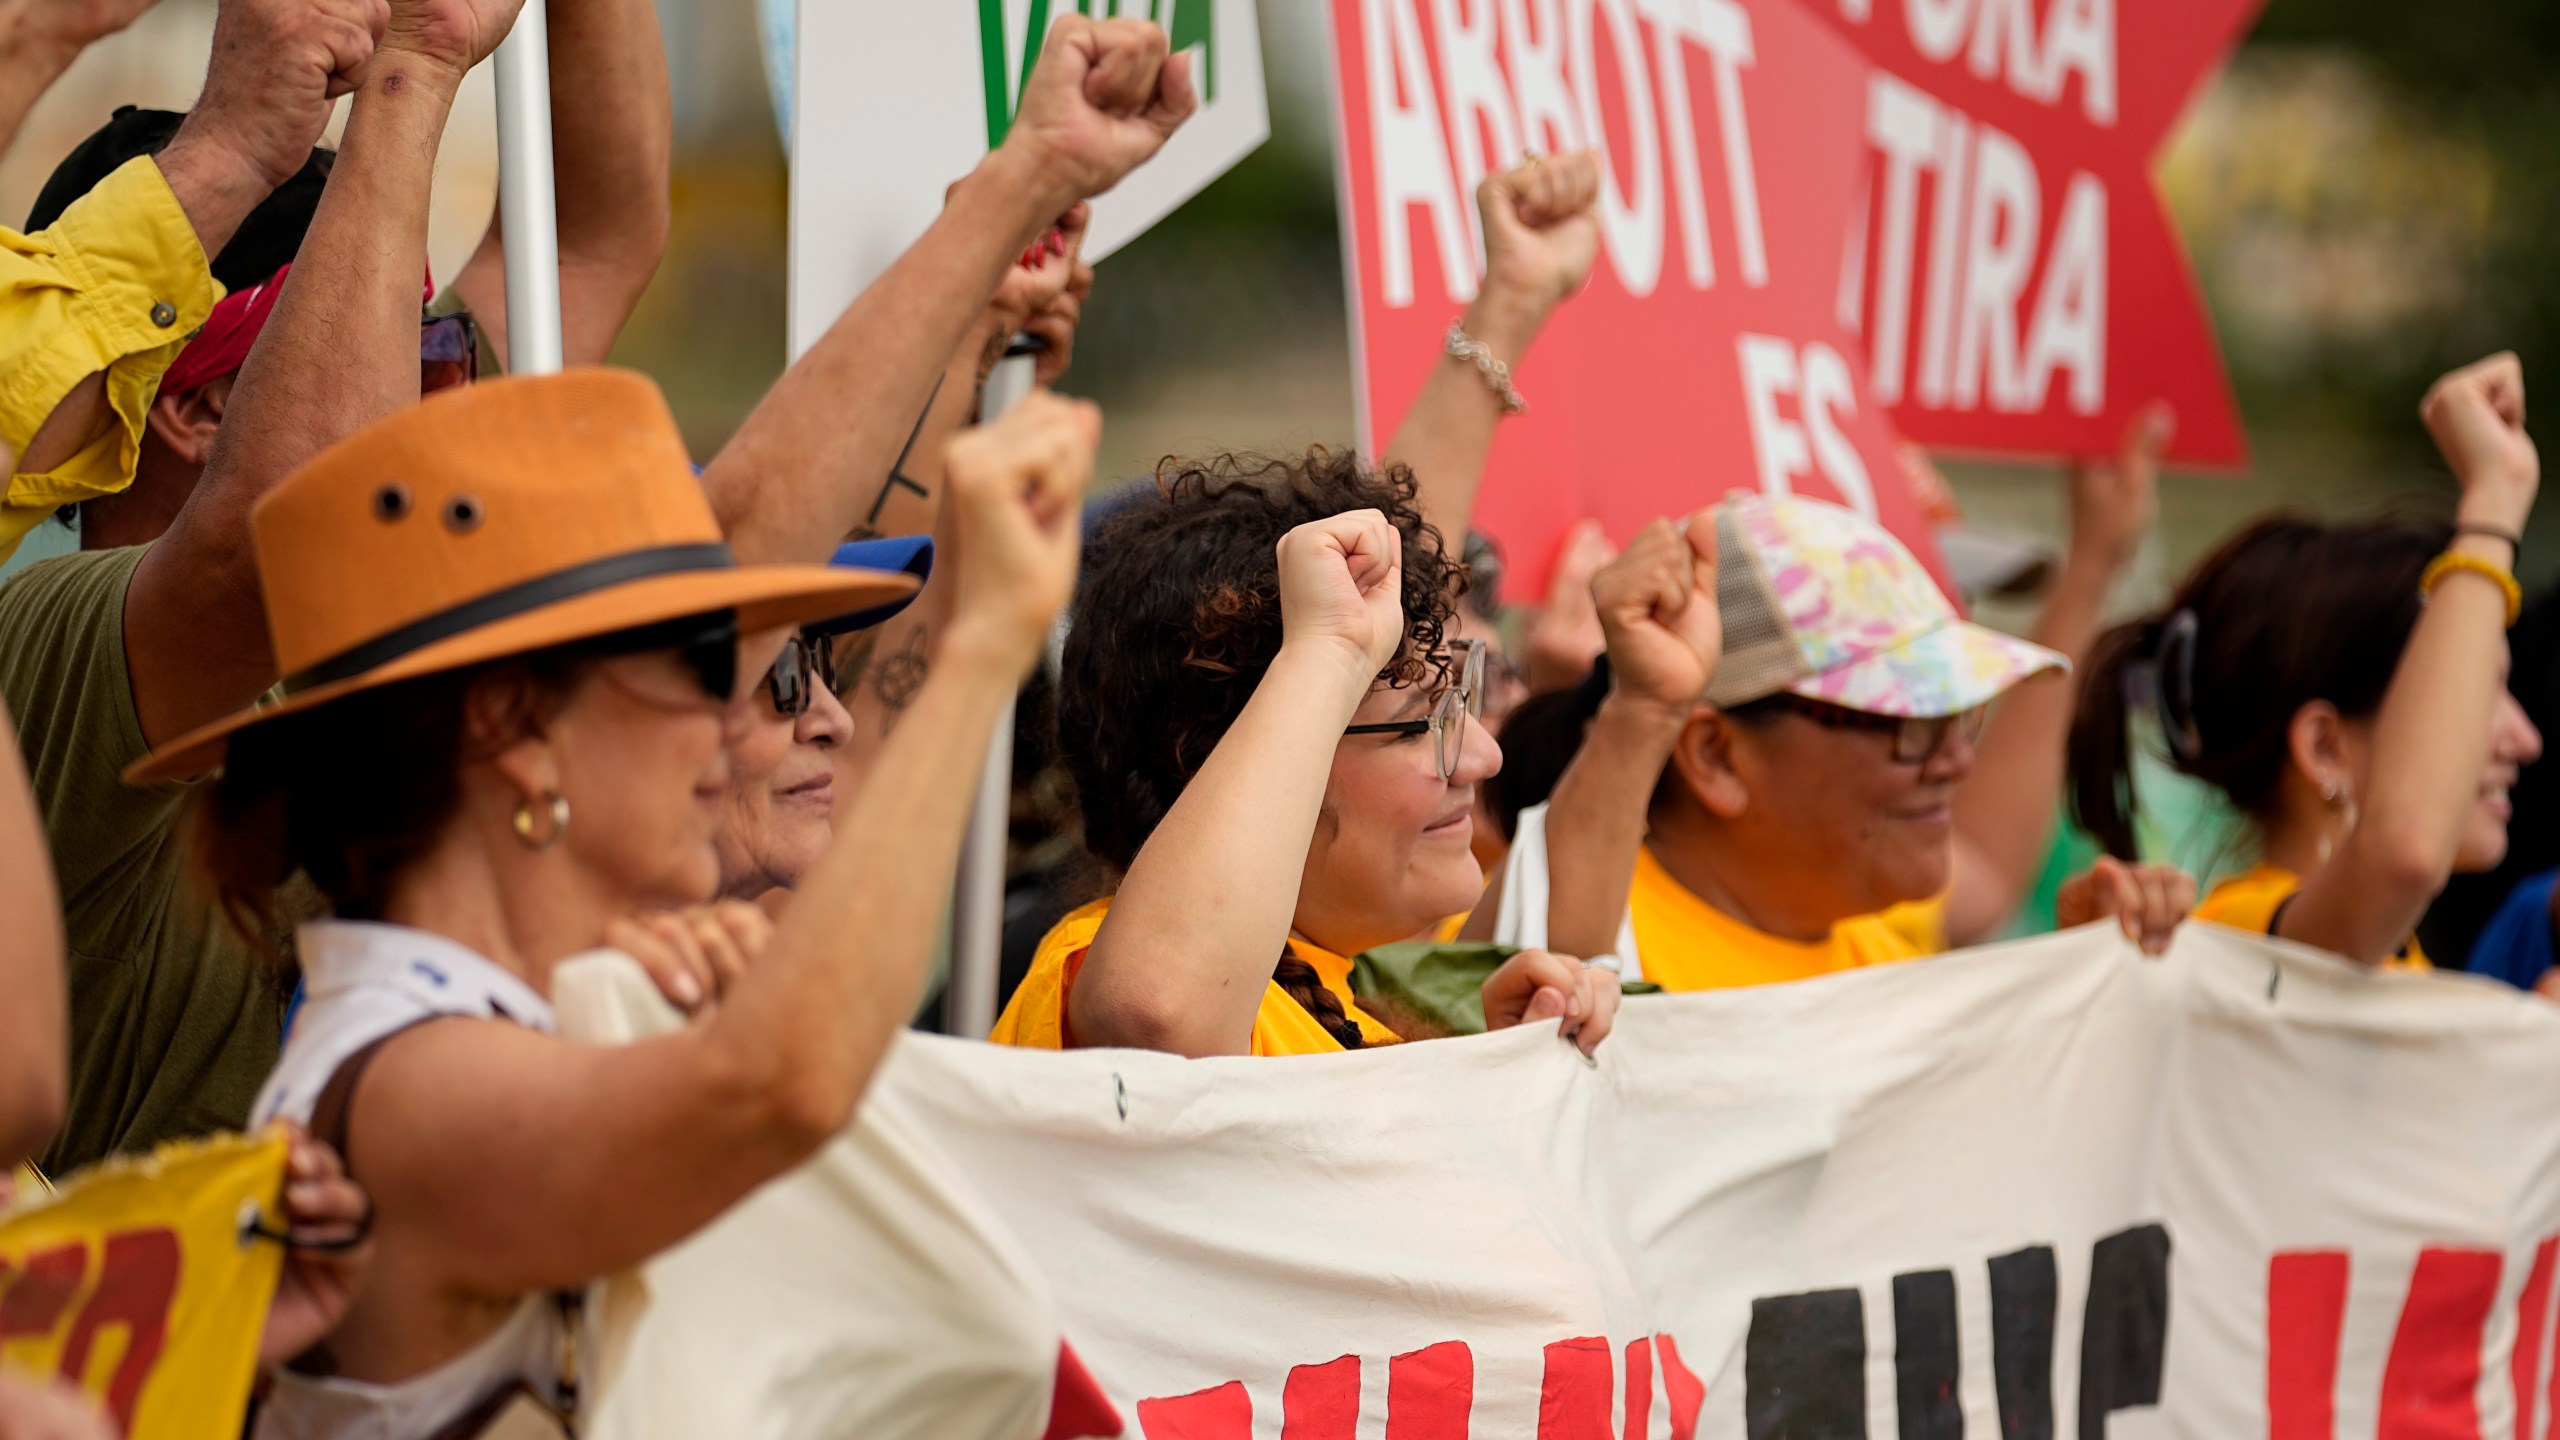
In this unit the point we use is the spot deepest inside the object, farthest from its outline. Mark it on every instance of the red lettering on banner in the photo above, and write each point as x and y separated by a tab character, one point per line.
32	1301
1573	1399
1322	1402
1639	1418
136	1284
2306	1316
2430	1385
1431	1392
1078	1409
2533	1316
1682	1387
1224	1412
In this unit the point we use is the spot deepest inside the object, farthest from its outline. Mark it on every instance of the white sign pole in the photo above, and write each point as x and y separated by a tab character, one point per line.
527	209
977	897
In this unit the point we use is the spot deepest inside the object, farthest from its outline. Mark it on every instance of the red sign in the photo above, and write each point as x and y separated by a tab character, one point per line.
2016	278
1708	354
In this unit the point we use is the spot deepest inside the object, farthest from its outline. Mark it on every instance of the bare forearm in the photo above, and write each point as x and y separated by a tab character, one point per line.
801	473
340	353
1596	823
33	1027
31	59
2004	812
1448	434
1205	910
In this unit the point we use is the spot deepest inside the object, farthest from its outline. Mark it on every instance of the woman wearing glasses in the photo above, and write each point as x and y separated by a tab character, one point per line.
1276	749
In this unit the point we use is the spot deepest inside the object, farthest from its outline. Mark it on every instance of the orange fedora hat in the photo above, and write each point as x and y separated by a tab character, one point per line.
495	520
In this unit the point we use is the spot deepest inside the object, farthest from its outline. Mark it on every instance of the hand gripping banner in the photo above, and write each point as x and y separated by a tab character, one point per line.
139	1283
2040	1190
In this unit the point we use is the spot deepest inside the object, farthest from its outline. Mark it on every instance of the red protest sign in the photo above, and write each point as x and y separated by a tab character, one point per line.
1708	354
2017	279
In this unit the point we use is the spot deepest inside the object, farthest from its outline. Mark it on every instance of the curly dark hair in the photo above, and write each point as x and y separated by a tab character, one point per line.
1178	618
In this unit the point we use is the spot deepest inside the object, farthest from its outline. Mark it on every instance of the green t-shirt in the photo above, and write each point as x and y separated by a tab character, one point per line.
175	1019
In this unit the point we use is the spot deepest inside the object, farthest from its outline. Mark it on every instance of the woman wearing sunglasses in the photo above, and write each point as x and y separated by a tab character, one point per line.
508	704
1276	749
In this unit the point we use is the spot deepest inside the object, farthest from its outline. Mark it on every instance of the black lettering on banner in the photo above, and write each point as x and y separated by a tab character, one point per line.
1804	1368
2022	1314
2126	1330
1925	1356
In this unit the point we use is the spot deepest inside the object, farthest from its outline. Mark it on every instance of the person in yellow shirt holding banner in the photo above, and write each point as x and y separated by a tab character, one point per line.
2345	687
1276	747
1795	815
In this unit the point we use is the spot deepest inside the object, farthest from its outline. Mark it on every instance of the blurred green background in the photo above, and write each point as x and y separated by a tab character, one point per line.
2371	193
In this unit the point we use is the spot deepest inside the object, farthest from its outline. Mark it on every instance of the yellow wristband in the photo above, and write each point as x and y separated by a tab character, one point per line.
2455	561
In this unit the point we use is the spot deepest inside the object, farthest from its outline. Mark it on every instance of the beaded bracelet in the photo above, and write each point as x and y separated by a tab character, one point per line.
1497	375
2454	562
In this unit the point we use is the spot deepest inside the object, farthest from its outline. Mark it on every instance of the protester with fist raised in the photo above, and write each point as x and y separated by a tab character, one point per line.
560	749
2345	686
1276	748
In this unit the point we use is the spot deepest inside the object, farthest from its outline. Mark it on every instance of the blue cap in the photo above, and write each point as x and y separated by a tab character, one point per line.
909	554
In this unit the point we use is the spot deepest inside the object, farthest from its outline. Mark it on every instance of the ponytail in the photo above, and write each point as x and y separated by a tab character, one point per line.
2101	741
1303	985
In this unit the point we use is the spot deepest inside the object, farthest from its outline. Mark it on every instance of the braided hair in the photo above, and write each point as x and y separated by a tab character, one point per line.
1178	618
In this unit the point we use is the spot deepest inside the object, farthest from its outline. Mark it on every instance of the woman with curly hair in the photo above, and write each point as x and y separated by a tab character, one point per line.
1276	748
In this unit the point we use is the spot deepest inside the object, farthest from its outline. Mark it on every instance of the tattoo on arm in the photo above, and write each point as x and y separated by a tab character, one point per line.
898	476
899	676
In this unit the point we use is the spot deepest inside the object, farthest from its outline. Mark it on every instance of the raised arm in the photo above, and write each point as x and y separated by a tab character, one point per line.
38	41
35	1032
275	66
2431	738
341	352
1657	604
2004	811
798	475
1541	235
612	135
586	1160
1043	293
1183	956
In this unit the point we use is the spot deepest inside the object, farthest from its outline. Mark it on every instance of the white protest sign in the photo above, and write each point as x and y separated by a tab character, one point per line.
2045	1189
891	103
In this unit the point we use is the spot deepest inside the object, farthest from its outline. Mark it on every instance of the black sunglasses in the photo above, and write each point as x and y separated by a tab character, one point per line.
809	657
706	645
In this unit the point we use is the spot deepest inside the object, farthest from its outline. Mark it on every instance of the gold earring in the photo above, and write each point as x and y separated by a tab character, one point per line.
557	805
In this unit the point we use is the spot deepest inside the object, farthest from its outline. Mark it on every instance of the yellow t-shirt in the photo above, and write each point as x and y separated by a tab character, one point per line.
1036	1017
1688	944
2249	902
117	284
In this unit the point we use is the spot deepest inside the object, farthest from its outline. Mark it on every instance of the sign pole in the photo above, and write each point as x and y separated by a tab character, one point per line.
977	895
527	209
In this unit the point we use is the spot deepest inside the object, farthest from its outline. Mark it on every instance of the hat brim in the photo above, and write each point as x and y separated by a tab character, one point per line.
765	597
1945	671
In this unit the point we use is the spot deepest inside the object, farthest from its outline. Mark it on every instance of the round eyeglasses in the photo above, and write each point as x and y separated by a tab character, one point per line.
1450	710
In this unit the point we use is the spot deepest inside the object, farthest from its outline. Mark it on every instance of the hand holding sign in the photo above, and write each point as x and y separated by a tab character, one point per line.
1104	98
452	34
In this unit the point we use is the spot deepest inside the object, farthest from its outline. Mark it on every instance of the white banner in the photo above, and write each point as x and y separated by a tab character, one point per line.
893	102
2046	1189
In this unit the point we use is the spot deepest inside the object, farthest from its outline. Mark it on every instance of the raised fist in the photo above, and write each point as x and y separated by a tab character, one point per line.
1541	227
1102	100
1657	604
1016	490
277	66
451	34
1342	590
2476	415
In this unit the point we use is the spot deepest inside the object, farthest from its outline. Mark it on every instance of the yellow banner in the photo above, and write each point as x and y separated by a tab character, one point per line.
138	1282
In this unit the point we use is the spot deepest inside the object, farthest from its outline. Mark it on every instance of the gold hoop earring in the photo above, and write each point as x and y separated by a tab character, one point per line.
557	805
